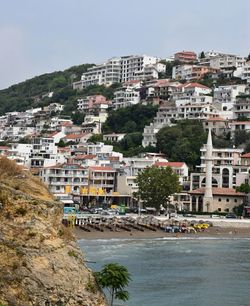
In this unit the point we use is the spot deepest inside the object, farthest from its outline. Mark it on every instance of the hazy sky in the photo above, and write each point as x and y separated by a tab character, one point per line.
48	35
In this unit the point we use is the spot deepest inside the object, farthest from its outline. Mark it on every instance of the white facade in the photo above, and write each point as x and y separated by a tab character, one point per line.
225	96
126	96
121	69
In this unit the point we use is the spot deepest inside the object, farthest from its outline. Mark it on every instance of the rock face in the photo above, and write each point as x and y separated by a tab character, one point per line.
39	258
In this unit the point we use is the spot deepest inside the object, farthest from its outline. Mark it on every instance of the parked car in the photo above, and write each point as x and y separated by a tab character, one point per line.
231	216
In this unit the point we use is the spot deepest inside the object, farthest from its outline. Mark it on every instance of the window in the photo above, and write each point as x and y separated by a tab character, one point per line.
235	200
227	200
219	209
219	199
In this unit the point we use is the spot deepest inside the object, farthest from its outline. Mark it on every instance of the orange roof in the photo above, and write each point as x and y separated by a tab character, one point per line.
169	164
247	155
53	134
194	84
218	191
75	136
215	119
240	122
66	123
4	148
101	168
84	156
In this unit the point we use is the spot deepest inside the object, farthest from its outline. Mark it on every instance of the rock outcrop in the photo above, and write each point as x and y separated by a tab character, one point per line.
40	261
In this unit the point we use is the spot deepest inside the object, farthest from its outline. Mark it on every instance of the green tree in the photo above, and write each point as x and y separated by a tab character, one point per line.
245	188
96	138
114	278
241	137
182	142
202	55
155	185
77	118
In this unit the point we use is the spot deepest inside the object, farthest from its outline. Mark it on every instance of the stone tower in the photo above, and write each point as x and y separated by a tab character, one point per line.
208	195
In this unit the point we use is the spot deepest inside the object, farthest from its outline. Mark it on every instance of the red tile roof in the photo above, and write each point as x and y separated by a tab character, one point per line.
194	84
75	136
240	122
215	119
66	123
84	156
4	148
101	168
246	155
218	191
169	164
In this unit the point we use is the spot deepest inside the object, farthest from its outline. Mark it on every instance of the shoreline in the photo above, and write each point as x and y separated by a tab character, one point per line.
211	232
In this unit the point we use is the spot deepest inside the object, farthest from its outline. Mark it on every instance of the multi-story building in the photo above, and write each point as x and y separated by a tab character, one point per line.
226	169
128	95
227	63
121	69
192	72
185	56
225	96
242	107
92	103
65	178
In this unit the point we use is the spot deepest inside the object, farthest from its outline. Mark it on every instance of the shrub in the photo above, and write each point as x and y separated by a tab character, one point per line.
21	211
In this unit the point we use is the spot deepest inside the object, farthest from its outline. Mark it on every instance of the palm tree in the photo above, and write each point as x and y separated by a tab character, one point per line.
114	278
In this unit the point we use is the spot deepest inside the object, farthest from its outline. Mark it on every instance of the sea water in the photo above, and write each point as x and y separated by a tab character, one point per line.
178	271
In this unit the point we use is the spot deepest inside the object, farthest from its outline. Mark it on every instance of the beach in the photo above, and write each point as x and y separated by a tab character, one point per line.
215	231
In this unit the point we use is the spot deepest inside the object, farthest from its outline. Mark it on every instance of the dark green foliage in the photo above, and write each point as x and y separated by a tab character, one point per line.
77	118
245	188
202	55
96	138
156	185
29	93
182	142
241	137
129	119
169	69
114	278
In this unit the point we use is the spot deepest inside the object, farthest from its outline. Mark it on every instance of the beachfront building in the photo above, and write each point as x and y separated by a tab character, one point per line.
214	190
179	168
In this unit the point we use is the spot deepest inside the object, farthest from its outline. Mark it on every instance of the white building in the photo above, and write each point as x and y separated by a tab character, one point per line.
128	95
225	96
121	69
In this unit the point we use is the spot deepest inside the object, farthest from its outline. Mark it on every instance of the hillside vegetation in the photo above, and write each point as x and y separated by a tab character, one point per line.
24	95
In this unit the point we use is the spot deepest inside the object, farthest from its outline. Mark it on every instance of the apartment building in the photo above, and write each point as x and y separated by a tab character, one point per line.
93	103
121	69
227	169
242	108
192	72
225	96
128	95
65	178
185	56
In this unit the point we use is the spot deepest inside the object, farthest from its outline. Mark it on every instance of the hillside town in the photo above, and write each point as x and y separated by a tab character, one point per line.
80	171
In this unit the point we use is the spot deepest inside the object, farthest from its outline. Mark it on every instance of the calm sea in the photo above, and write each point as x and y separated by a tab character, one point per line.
176	271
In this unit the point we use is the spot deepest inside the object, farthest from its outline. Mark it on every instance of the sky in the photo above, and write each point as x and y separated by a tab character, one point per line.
40	36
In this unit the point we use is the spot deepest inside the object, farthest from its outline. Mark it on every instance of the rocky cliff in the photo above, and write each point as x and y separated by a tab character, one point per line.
40	261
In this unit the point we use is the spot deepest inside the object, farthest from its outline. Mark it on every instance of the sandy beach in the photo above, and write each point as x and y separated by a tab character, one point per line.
215	231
